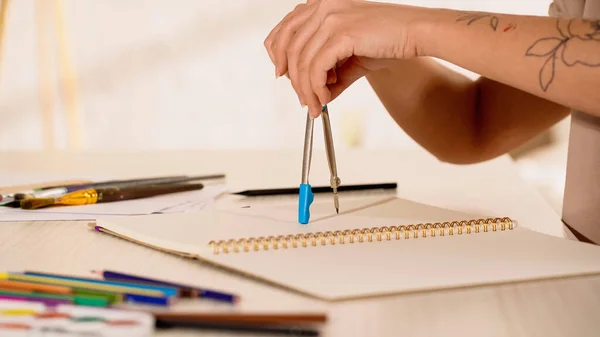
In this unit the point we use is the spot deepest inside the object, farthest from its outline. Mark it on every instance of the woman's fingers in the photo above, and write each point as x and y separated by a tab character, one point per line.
268	43
331	76
311	47
337	48
295	49
303	81
287	30
347	73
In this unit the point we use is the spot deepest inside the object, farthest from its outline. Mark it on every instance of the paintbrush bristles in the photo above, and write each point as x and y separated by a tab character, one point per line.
36	203
23	196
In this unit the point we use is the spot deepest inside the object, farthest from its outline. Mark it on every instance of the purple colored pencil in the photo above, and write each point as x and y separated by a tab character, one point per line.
194	291
45	301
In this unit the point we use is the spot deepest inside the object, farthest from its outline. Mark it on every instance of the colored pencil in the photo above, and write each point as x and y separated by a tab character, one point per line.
78	300
185	290
113	294
85	285
25	286
112	298
167	291
18	312
15	326
134	298
45	301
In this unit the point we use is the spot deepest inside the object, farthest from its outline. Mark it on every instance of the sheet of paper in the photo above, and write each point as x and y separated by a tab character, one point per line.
191	201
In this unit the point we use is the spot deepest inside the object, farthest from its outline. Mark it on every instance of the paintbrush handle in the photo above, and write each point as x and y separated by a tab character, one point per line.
120	194
140	182
101	195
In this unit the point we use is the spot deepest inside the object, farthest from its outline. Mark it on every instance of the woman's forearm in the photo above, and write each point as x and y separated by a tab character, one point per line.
434	105
556	59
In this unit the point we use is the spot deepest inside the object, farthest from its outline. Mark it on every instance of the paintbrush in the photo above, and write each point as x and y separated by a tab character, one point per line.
57	191
111	194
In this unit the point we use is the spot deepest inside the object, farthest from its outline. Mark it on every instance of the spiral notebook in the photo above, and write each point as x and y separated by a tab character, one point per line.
375	246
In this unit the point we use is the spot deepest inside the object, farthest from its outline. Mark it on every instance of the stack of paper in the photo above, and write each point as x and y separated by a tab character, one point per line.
181	202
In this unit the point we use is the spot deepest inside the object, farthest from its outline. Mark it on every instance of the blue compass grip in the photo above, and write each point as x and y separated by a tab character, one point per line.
304	202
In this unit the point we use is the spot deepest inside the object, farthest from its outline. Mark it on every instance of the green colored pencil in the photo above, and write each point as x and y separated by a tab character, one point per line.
94	301
112	298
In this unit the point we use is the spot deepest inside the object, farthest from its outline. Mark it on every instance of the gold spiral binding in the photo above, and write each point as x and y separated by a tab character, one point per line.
351	236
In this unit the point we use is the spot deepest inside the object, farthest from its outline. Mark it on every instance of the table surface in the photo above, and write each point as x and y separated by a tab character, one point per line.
559	307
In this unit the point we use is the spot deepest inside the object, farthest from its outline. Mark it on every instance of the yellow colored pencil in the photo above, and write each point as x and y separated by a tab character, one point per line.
85	285
18	312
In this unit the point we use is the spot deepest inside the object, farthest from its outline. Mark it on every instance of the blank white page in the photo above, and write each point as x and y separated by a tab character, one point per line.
389	267
368	268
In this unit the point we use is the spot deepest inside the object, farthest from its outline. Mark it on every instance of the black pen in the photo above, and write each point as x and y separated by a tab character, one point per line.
317	189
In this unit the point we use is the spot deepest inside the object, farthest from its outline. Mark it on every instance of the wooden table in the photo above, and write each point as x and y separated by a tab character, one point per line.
565	307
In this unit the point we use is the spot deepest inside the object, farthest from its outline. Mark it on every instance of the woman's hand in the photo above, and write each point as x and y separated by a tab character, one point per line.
324	46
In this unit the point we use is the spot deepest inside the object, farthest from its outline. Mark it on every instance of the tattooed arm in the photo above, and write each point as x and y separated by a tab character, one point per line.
556	59
532	69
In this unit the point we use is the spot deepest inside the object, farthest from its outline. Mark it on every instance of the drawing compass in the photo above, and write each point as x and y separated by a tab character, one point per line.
306	197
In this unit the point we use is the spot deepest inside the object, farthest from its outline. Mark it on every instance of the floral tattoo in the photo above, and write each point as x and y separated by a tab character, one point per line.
473	17
574	34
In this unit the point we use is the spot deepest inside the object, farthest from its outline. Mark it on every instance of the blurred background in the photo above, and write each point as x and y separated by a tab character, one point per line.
143	75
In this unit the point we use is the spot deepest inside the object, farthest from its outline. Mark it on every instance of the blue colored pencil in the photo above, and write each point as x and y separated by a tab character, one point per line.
142	299
184	289
166	290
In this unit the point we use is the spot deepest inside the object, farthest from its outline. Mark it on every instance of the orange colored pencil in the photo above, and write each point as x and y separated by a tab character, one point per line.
43	288
13	290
